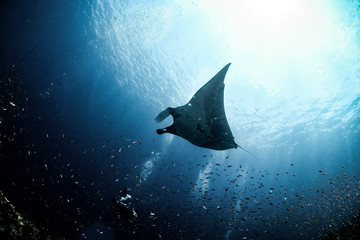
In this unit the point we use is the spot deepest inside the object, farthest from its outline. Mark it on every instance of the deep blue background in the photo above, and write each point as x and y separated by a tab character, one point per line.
88	78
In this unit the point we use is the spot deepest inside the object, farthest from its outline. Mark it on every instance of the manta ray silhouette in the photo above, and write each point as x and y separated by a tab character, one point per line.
202	120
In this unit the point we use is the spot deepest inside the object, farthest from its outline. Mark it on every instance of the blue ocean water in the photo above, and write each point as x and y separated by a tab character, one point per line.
81	84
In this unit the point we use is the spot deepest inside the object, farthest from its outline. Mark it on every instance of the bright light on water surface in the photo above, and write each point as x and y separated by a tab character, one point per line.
293	62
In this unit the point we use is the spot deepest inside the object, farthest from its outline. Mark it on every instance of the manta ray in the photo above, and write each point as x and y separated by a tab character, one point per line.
202	121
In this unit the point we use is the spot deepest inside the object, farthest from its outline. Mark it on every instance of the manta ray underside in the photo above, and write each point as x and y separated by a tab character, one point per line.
202	120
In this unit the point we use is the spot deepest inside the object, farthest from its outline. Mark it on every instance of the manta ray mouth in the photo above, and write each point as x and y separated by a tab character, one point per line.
161	131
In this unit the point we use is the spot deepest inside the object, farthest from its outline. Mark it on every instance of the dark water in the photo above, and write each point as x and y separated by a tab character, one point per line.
81	84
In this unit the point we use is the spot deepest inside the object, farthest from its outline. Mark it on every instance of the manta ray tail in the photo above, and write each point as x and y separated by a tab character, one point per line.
164	114
247	151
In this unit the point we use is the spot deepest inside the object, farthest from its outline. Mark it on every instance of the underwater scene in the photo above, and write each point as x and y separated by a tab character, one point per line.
182	119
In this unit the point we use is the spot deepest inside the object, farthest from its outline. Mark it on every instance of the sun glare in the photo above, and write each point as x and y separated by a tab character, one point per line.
271	24
273	35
